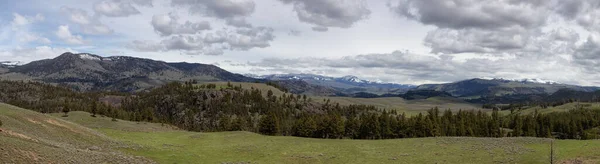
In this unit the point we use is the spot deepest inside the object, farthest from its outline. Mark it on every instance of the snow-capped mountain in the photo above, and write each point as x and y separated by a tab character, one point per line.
352	83
525	80
11	63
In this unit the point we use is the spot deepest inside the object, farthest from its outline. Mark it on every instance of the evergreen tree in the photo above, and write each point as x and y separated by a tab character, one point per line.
94	108
269	125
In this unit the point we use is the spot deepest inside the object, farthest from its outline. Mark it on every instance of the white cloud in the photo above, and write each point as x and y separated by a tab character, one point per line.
21	29
64	33
168	24
218	8
90	25
27	55
20	20
115	8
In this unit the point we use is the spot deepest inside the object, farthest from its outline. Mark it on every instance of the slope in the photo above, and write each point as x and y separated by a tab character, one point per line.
475	88
30	137
166	145
86	72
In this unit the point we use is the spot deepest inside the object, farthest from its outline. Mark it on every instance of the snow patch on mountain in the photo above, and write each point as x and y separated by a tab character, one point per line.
11	64
89	57
525	80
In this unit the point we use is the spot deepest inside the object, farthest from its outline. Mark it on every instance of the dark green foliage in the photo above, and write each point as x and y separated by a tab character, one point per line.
269	125
231	109
94	108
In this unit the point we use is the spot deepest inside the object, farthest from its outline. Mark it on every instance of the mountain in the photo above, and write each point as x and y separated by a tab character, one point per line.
86	72
476	88
345	86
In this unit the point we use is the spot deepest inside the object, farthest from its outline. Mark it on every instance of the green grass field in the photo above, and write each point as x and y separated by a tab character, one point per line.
30	137
560	108
166	144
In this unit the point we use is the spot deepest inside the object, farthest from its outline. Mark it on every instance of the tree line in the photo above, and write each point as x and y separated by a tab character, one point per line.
205	108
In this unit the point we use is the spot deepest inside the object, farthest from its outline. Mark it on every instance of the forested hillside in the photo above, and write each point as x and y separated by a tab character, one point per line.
205	108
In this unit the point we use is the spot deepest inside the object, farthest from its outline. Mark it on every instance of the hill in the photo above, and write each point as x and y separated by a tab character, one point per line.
31	137
85	72
347	85
476	88
166	145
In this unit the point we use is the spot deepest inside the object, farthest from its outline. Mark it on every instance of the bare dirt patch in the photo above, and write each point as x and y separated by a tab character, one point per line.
57	123
19	135
35	122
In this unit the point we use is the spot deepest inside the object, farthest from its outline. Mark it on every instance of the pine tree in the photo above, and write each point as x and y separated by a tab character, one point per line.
269	125
66	110
94	108
305	126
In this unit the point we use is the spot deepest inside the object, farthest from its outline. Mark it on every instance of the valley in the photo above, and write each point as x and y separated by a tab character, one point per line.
121	141
180	112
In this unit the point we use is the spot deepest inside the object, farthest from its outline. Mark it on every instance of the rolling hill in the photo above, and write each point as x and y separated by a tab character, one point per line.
85	72
31	137
475	88
347	85
164	144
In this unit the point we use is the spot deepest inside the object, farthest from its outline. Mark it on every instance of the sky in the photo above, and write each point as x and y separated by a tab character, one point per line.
400	41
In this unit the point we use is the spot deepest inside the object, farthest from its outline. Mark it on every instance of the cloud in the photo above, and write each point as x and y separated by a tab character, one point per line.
27	55
90	25
330	13
482	14
214	43
248	38
115	8
145	3
238	22
587	55
407	67
31	37
167	24
549	42
20	20
20	28
320	29
64	33
473	41
145	46
584	12
217	8
295	33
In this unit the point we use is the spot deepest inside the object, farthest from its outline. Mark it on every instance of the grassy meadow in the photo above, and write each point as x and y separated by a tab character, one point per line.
166	144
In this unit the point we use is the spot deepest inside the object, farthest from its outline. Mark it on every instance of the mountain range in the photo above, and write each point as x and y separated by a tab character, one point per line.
347	85
476	88
85	72
89	72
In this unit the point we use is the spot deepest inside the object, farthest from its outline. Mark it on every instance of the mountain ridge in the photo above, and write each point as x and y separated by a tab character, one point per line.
92	72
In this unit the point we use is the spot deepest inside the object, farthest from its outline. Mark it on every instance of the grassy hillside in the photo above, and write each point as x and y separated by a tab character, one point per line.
165	144
31	137
560	108
411	107
264	88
